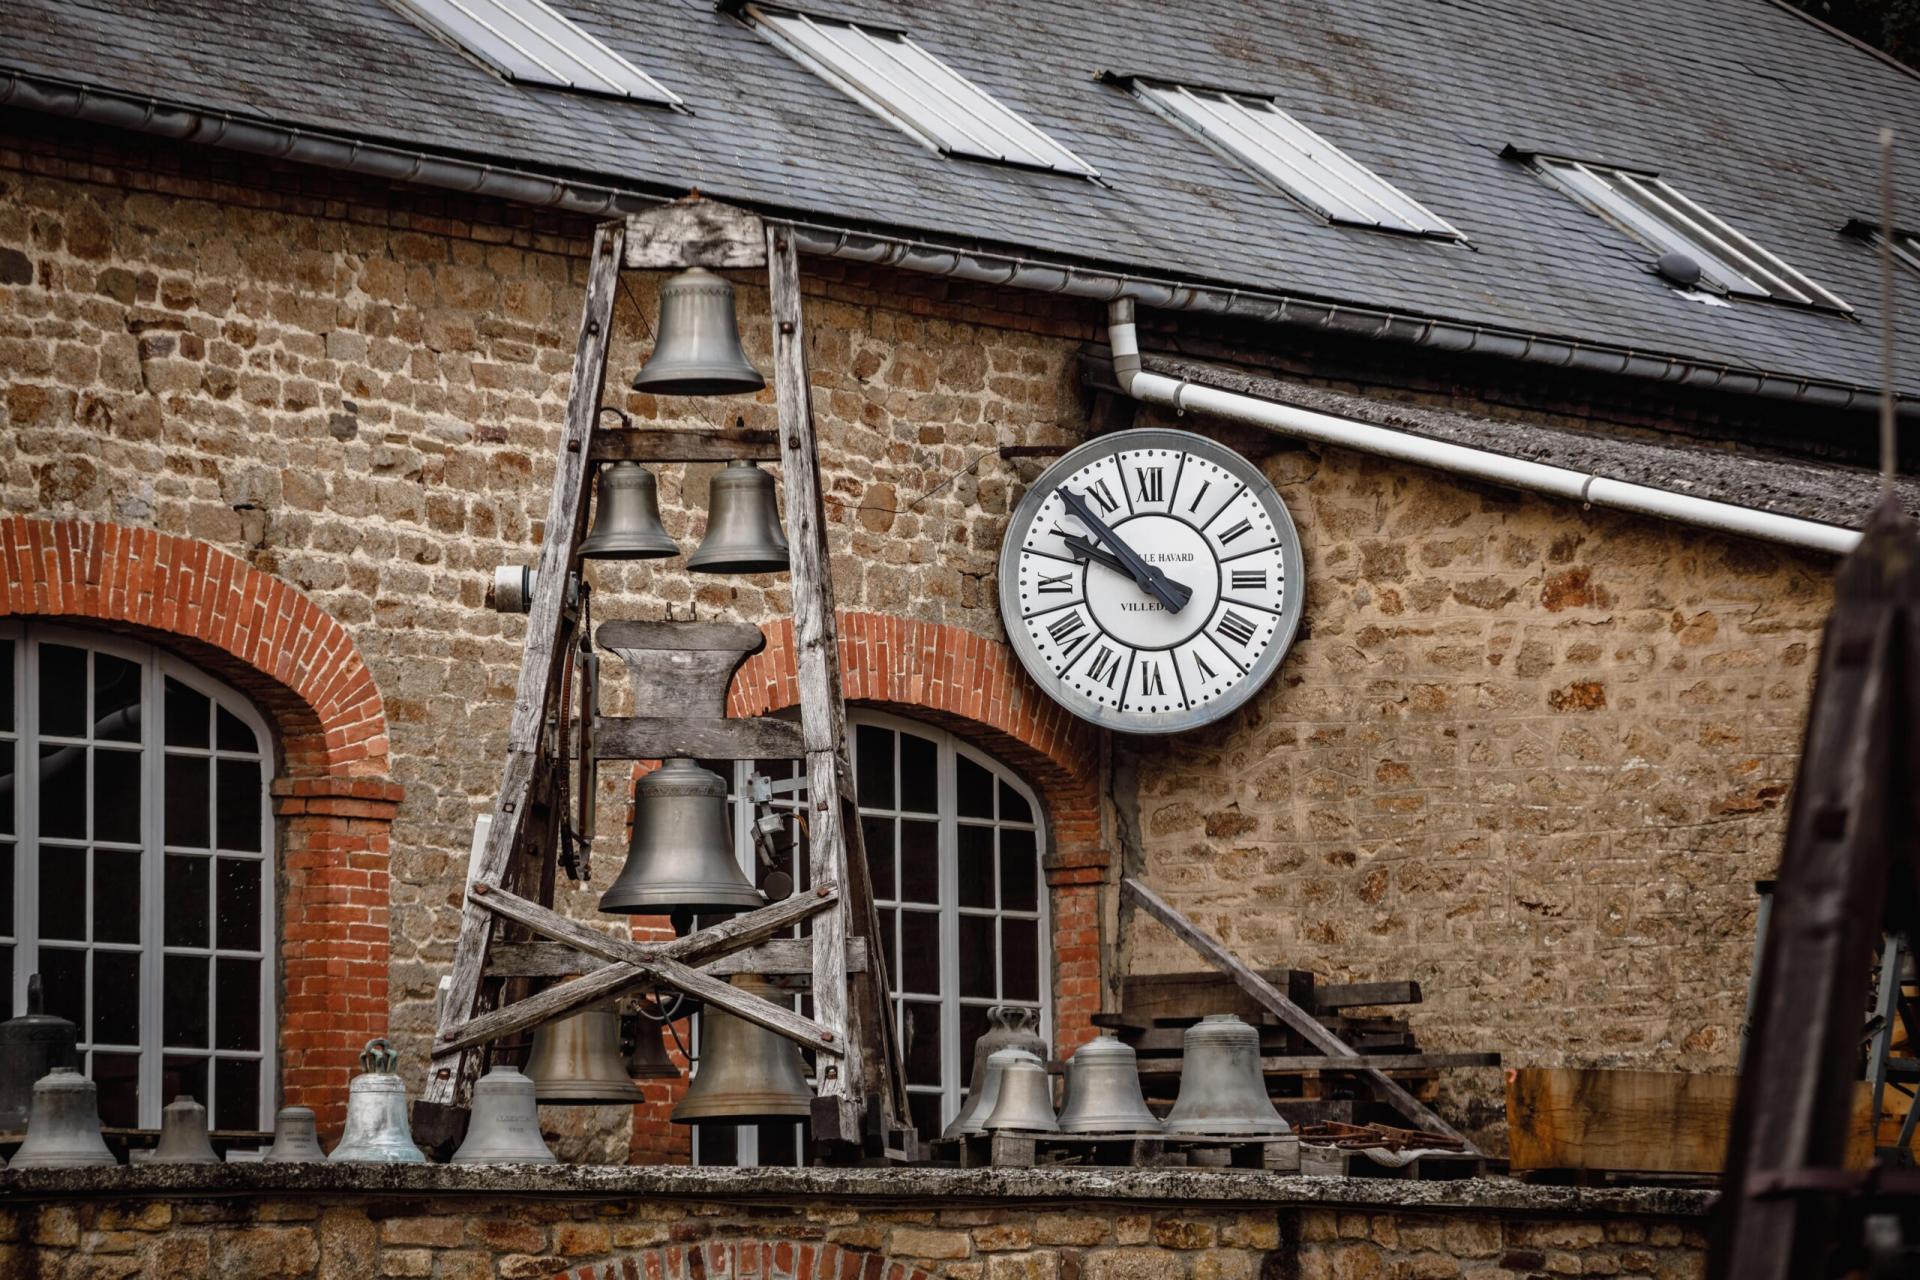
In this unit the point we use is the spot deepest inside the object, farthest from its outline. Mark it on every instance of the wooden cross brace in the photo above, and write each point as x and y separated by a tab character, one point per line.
668	964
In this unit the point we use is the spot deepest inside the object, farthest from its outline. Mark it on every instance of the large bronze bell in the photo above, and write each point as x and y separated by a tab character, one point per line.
183	1134
681	854
1025	1104
505	1128
698	352
30	1046
1222	1089
1008	1026
746	1073
1103	1091
63	1131
743	524
295	1140
576	1062
626	520
376	1130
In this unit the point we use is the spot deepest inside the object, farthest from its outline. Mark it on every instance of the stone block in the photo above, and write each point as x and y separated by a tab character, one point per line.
264	1253
913	1242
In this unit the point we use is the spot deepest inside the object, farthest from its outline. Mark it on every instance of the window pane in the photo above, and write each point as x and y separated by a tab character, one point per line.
117	1076
919	774
236	1094
973	1025
6	686
181	1076
116	997
186	802
1020	960
919	952
920	1037
873	766
234	735
6	903
63	981
184	1002
63	793
919	861
9	793
236	1018
185	904
780	1144
973	789
976	866
116	796
926	1112
1014	806
239	805
63	691
1019	872
6	979
63	893
877	833
116	895
889	929
116	698
976	957
238	905
719	1143
186	716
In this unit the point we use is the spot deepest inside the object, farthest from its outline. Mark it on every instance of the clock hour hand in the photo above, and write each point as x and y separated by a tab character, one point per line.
1148	578
1086	550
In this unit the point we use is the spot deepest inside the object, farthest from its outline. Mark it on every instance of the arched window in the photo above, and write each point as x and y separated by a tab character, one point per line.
136	870
954	841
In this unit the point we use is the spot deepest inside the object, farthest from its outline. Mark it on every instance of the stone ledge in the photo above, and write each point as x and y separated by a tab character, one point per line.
1004	1186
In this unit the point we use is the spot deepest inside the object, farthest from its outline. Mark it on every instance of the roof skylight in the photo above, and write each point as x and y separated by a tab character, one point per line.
898	80
531	42
1258	134
1665	221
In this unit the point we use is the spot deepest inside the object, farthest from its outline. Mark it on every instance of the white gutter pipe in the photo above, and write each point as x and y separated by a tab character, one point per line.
1496	468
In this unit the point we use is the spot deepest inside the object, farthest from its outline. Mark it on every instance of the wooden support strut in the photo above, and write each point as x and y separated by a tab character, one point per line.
1273	1000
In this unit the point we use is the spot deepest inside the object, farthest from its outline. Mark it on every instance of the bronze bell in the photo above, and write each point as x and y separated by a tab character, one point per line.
376	1130
505	1128
1025	1103
698	352
64	1129
649	1060
576	1062
626	519
681	854
746	1073
1008	1026
183	1134
295	1140
30	1046
743	524
1103	1091
1222	1089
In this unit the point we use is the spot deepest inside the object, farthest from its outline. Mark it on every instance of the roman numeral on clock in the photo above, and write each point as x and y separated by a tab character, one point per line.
1198	495
1061	583
1103	666
1066	631
1153	484
1101	494
1245	580
1235	628
1243	527
1151	682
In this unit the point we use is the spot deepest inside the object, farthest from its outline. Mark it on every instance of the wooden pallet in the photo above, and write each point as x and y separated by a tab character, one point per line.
1117	1150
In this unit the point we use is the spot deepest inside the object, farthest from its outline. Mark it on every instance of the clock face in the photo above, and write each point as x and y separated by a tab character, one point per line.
1116	534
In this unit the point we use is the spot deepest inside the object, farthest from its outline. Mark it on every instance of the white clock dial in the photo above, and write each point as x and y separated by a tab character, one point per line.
1165	595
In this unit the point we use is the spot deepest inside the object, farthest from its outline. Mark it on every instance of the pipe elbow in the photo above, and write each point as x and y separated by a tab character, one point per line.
1124	341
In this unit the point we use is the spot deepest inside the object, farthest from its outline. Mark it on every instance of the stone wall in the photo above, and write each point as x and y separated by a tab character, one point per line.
1267	1229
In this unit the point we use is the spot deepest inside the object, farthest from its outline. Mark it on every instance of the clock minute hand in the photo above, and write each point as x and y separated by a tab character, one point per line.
1081	547
1149	579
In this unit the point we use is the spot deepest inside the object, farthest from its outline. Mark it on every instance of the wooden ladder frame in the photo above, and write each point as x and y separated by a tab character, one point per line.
860	1105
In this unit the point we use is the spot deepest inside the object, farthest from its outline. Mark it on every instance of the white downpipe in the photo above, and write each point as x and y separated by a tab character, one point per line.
1496	468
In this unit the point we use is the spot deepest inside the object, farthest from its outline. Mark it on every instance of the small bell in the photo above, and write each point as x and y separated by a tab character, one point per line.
626	520
746	1073
1103	1091
698	352
376	1130
1008	1026
681	854
1222	1089
1025	1103
743	524
64	1129
183	1134
295	1140
505	1128
576	1062
30	1046
649	1060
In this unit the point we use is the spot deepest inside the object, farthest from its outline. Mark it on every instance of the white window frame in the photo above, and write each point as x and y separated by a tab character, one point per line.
157	666
891	76
1650	210
1253	132
949	750
531	42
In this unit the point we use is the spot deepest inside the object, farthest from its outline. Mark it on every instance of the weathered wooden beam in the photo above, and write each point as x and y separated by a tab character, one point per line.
777	957
695	233
666	444
1279	1005
1303	1063
543	654
1354	995
681	668
658	737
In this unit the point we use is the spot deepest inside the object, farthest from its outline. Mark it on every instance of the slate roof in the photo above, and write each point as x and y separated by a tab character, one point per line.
1756	113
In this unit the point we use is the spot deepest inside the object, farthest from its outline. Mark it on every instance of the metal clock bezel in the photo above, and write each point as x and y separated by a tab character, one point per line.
1292	602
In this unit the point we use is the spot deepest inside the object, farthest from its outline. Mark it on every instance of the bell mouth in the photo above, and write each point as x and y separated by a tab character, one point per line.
740	1109
664	899
701	382
587	1093
718	564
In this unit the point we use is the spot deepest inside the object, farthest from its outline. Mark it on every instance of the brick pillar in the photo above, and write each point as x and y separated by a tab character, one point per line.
335	946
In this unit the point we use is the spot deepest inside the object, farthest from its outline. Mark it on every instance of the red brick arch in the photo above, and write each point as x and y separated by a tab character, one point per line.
974	686
331	788
747	1260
